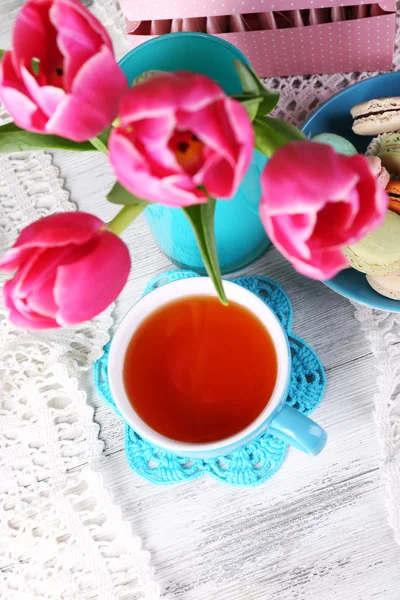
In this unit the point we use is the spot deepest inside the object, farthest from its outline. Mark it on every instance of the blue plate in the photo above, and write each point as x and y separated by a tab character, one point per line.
334	117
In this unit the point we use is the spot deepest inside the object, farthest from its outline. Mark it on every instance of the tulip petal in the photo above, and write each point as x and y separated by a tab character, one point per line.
324	265
57	17
225	128
219	178
156	131
173	190
9	77
335	222
43	267
13	93
56	230
311	168
86	287
35	323
212	127
24	112
93	102
290	233
46	97
318	264
41	300
374	200
152	136
244	134
79	36
33	34
14	258
165	93
24	318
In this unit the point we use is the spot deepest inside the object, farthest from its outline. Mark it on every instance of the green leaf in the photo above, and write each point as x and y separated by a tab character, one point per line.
271	134
98	143
201	218
253	87
119	195
14	139
104	135
35	66
252	105
2	52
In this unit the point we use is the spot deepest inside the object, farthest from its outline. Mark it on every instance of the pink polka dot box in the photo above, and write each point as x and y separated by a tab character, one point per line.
285	37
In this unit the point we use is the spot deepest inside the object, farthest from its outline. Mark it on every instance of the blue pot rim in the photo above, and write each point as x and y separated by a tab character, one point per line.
184	34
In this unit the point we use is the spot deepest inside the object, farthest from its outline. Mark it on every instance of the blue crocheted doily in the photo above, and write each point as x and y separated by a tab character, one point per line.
260	459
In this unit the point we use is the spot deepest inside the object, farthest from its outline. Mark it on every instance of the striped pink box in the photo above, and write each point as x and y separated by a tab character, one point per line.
286	37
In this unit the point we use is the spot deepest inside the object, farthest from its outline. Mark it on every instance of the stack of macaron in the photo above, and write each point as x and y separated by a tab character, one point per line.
378	254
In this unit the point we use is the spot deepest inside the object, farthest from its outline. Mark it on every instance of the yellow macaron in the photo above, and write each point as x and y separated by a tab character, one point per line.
379	251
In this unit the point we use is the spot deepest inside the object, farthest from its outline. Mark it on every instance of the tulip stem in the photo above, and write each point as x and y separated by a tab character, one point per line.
125	217
99	145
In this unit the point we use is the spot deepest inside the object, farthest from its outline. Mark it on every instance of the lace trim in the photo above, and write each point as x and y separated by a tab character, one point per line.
60	534
383	332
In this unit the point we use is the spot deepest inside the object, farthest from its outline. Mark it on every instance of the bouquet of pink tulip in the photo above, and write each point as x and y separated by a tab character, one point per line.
175	139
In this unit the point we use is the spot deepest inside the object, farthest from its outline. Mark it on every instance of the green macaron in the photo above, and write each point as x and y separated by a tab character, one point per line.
379	251
389	153
339	143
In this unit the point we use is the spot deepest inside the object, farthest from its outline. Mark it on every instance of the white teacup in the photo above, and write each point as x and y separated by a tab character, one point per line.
277	417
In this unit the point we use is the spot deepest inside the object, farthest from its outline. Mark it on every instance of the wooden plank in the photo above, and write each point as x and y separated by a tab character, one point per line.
317	530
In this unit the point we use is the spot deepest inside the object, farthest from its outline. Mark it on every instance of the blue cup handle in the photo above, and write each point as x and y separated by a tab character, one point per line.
294	428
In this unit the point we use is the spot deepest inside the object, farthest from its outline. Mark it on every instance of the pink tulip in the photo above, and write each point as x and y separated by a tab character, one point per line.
61	76
315	202
178	133
69	268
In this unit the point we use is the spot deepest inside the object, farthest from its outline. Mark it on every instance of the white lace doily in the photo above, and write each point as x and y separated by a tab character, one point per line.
61	536
383	331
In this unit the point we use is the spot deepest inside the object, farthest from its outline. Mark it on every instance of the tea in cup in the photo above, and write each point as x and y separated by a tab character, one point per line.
200	379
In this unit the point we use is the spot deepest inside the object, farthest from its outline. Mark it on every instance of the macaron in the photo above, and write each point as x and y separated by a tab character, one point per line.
393	191
339	143
389	153
379	251
380	115
378	170
386	285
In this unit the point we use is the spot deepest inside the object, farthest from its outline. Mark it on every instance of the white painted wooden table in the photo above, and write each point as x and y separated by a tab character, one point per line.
318	529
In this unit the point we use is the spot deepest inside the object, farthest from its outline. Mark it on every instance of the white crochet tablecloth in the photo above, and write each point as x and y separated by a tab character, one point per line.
61	535
299	97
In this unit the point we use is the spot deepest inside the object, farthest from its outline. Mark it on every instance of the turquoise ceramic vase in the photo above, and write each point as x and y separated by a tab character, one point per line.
239	233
